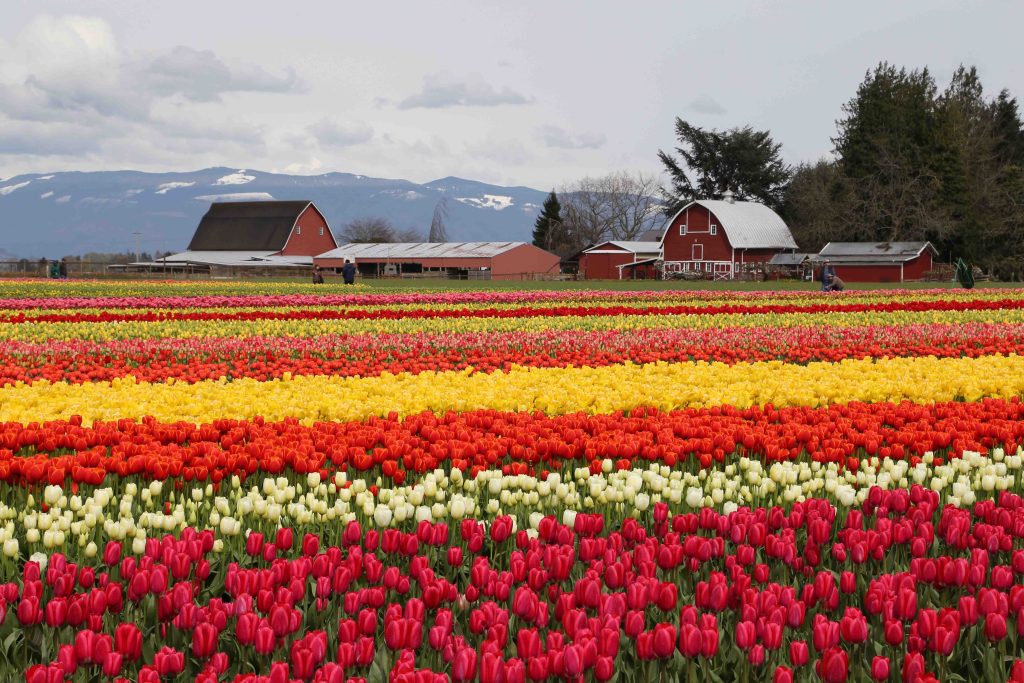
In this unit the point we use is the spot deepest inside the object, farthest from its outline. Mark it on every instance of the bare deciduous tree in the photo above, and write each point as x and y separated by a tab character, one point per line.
376	229
618	206
438	233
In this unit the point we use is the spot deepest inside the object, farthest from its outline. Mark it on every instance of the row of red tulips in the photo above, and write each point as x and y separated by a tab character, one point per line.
349	356
519	312
744	596
517	443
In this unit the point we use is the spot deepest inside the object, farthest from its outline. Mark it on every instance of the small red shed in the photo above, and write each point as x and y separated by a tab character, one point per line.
606	261
723	238
878	261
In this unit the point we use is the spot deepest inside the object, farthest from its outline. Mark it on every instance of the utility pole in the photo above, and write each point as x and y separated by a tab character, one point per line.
138	235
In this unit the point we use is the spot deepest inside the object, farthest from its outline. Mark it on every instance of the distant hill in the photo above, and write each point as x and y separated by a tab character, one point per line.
75	212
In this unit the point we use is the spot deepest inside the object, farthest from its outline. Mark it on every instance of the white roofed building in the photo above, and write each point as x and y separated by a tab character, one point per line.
722	239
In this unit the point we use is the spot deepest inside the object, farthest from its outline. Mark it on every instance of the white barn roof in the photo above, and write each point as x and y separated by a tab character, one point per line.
236	258
619	246
748	225
639	247
415	250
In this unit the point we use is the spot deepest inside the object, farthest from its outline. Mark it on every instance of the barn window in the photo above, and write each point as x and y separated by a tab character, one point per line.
321	231
298	229
714	229
682	229
697	252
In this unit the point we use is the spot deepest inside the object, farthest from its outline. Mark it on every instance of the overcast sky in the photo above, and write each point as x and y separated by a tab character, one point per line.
517	93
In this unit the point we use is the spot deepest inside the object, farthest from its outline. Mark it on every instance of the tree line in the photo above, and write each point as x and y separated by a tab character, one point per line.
909	163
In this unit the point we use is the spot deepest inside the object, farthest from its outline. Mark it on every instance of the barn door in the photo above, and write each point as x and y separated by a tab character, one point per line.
697	252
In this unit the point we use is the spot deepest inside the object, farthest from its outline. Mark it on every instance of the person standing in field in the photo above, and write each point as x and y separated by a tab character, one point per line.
827	273
348	272
62	269
318	276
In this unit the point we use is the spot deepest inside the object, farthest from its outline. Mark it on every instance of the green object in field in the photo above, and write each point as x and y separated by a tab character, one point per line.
964	275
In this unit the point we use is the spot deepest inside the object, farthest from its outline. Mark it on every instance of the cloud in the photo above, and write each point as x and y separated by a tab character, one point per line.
559	138
201	76
68	89
443	90
334	133
706	105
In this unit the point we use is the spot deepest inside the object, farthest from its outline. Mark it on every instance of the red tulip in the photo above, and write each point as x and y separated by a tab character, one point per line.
799	653
893	631
310	545
501	528
995	627
29	612
834	666
853	626
204	640
913	667
112	664
746	635
691	640
880	668
783	674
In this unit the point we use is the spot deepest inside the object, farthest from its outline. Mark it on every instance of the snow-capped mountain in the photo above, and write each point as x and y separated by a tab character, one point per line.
66	213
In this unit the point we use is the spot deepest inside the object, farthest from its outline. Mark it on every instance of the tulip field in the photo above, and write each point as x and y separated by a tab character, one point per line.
281	483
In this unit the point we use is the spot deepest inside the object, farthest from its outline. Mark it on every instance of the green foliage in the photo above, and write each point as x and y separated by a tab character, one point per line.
548	224
742	160
914	163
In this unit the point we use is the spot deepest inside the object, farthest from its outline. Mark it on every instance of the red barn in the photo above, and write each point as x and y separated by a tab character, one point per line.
722	238
261	235
457	260
606	261
878	261
290	228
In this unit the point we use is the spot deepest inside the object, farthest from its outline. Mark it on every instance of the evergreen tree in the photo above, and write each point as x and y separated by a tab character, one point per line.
548	226
888	145
743	160
1009	129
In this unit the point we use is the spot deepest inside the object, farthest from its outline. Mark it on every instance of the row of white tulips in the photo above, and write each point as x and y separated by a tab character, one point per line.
136	511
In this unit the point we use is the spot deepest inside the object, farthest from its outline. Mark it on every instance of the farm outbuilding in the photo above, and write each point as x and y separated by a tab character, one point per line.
790	265
878	261
260	235
462	260
609	260
723	238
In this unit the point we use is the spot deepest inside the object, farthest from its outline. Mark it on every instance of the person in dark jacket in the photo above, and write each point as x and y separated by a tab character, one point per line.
318	276
62	269
348	272
827	273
